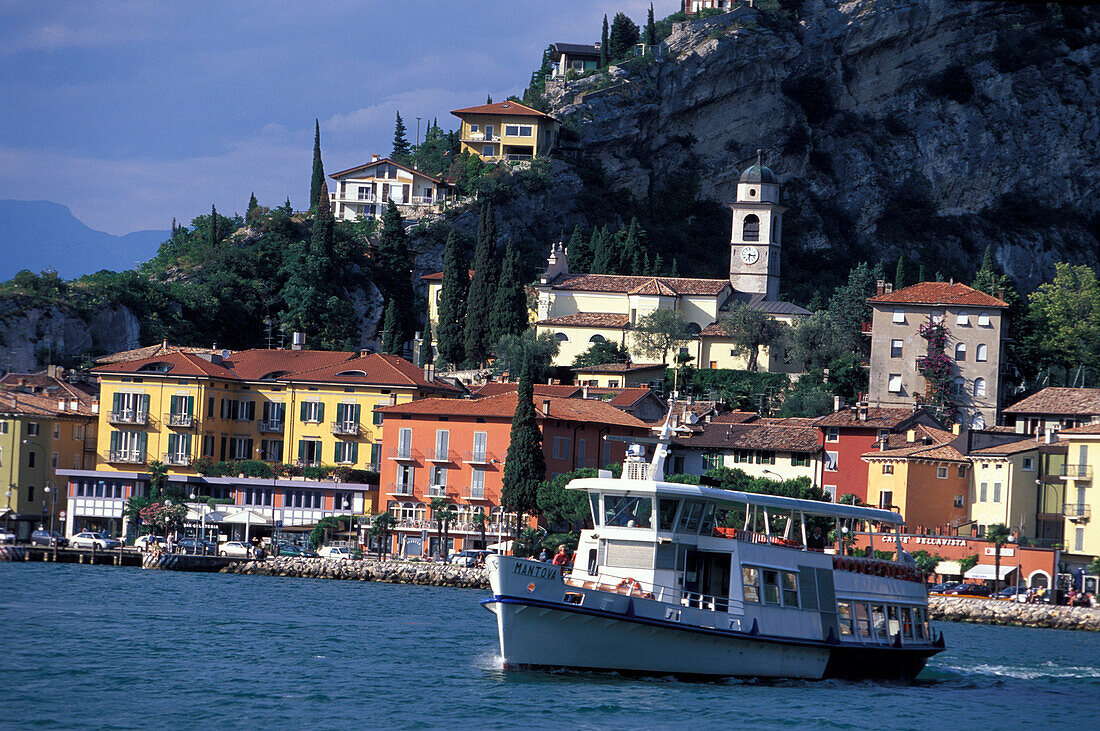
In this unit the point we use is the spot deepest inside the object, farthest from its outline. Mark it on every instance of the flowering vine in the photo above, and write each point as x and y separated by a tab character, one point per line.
938	371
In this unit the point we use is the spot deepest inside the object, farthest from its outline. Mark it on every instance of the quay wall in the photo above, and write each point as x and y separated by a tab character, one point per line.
393	572
995	611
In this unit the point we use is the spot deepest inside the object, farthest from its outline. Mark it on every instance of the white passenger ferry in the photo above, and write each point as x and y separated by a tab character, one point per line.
659	586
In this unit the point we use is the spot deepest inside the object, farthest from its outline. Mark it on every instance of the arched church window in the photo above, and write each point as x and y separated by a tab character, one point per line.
979	387
960	351
751	230
597	338
693	329
983	353
561	337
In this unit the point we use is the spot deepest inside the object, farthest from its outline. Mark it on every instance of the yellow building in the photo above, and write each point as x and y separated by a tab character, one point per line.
621	375
1002	486
506	131
1082	533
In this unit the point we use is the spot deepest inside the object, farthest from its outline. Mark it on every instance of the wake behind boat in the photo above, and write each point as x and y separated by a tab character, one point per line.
660	586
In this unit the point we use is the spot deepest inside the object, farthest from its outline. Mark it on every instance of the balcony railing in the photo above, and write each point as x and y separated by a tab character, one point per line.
398	488
474	493
271	426
1073	511
442	455
405	454
480	137
437	491
345	428
182	421
1077	471
177	460
126	456
129	416
478	457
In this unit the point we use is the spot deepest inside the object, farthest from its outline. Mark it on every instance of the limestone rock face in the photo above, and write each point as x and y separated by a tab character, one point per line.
932	127
33	333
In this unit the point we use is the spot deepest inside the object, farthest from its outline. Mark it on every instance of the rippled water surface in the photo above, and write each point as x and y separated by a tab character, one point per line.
98	647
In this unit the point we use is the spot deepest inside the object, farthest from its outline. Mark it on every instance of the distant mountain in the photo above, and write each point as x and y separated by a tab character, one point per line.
39	235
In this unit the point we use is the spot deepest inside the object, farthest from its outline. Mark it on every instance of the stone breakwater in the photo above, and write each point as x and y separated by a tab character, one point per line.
393	572
993	611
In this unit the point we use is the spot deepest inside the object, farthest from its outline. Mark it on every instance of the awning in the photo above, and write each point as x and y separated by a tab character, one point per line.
503	546
949	568
212	516
246	517
985	571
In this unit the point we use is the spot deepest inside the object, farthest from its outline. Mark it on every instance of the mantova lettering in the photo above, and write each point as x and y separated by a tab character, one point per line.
538	572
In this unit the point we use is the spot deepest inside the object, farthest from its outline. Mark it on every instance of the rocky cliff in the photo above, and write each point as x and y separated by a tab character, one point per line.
34	333
925	126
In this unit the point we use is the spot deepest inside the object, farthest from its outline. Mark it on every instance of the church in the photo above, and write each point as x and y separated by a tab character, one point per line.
581	309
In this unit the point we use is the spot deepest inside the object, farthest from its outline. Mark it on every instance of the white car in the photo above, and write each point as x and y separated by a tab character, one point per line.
146	543
88	539
235	548
6	536
335	552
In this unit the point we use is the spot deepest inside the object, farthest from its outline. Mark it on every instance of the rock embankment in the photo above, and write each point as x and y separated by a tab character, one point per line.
993	611
393	572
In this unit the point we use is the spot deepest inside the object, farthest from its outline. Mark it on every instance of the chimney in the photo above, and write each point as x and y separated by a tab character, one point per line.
393	399
429	373
863	407
546	406
707	418
95	407
60	405
838	403
880	286
882	444
298	341
584	391
374	157
164	344
889	287
911	436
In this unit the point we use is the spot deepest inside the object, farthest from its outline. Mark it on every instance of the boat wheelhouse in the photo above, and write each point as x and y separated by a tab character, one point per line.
695	580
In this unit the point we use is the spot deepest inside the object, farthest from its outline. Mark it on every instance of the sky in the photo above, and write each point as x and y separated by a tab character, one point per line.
135	112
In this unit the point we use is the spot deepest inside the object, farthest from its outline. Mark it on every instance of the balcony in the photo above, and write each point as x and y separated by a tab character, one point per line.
1074	511
442	455
345	428
474	493
405	454
480	137
1079	472
177	460
126	456
268	427
180	421
129	416
479	457
437	491
397	488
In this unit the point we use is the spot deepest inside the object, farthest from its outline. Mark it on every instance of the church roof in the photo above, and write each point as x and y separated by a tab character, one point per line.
760	302
625	284
758	172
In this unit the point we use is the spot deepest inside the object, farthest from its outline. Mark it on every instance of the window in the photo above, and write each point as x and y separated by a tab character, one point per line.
962	472
477	484
800	460
896	348
832	434
886	499
771	586
751	228
982	353
628	512
983	490
309	451
480	440
958	385
347	452
208	445
888	469
899	316
962	319
474	128
844	617
4	427
582	446
711	460
996	492
518	130
765	458
271	450
53	460
56	431
983	319
830	462
979	387
561	337
347	415
1078	540
960	351
32	429
750	581
312	412
597	338
790	588
404	443
959	501
487	150
894	385
941	473
1028	464
240	448
561	448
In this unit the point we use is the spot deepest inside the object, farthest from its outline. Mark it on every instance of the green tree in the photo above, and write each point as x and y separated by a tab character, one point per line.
479	524
968	562
479	301
750	329
604	44
381	527
998	534
659	332
580	251
452	303
848	308
394	269
633	250
601	352
213	231
927	562
402	150
443	516
510	300
253	213
427	357
650	28
318	178
525	464
1064	317
391	330
565	510
901	275
624	34
608	255
815	341
537	351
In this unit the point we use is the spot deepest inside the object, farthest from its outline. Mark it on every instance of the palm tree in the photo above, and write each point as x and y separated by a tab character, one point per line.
479	523
380	528
443	516
998	534
158	477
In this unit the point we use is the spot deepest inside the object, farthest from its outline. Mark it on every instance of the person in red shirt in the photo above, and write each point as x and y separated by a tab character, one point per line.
560	558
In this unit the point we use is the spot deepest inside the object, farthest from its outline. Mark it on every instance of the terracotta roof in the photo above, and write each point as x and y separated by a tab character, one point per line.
735	417
619	368
150	351
372	163
502	108
495	388
588	319
877	418
938	446
503	406
1086	429
1009	448
627	397
787	420
1058	400
939	293
14	400
179	364
43	384
252	365
669	286
438	276
374	368
801	439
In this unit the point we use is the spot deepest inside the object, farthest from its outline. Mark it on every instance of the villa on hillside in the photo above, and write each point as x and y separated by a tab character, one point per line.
506	131
365	190
576	57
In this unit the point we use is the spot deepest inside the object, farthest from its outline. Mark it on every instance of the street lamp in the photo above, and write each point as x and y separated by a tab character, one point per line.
53	503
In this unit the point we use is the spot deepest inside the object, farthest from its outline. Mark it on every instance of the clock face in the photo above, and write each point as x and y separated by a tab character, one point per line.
749	254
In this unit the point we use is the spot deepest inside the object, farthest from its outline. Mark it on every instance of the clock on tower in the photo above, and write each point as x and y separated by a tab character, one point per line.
755	241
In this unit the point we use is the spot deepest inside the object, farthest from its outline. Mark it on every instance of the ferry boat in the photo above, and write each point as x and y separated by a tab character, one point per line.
659	585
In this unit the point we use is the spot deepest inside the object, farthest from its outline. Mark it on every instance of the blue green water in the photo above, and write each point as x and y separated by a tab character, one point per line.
105	647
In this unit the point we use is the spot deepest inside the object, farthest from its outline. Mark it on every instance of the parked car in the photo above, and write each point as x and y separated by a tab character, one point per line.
969	590
6	536
146	543
47	538
944	587
295	551
88	539
235	548
197	545
469	558
335	552
1013	594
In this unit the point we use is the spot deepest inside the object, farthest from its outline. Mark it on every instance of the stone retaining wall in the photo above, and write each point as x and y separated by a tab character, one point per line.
994	611
394	572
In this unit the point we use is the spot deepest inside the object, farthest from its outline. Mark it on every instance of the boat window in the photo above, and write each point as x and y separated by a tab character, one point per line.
572	597
907	622
668	513
894	627
919	623
689	516
629	512
844	616
771	586
878	619
863	620
594	498
593	562
750	578
706	525
790	589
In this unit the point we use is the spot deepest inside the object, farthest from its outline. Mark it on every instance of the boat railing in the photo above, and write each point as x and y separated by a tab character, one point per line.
878	567
749	536
657	592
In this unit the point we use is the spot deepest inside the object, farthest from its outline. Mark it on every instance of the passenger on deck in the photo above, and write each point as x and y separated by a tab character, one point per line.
816	541
560	558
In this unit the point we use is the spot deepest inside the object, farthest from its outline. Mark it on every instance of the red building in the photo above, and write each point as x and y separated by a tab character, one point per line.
847	434
455	449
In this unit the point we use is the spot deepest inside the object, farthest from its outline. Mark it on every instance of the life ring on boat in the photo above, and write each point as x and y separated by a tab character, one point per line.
631	585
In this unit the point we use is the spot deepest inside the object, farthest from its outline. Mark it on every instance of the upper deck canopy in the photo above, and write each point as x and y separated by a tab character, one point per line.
674	489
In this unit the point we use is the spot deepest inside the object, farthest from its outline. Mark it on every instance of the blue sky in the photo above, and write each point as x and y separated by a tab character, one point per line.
132	112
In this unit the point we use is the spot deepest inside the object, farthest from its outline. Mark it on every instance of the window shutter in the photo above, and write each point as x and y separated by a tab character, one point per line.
321	411
185	443
172	440
145	403
355	414
142	440
114	402
251	410
225	409
114	436
302	444
355	448
267	411
317	452
303	411
190	405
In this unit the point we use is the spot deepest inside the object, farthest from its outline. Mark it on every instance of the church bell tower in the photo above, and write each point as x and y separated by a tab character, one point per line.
757	227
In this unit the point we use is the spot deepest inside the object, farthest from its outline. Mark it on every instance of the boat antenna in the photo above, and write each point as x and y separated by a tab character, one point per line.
660	452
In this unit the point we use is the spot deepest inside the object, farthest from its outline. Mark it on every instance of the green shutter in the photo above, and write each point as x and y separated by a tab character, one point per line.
302	448
355	414
172	441
114	436
145	403
143	440
302	415
321	412
318	452
355	448
267	411
114	401
190	405
186	439
251	410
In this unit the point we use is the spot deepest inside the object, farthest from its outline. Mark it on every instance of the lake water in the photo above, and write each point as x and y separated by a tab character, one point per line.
105	647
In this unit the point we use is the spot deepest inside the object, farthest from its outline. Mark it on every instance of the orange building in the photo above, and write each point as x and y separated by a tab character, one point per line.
455	449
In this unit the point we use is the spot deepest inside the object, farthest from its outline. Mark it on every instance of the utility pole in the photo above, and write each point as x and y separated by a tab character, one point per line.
418	134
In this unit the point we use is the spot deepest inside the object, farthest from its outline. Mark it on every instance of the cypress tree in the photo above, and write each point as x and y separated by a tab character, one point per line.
525	464
658	266
391	329
318	168
650	28
402	150
213	233
634	250
603	44
510	301
580	252
394	273
900	276
427	357
479	301
922	276
624	34
253	212
488	98
287	208
451	330
609	254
